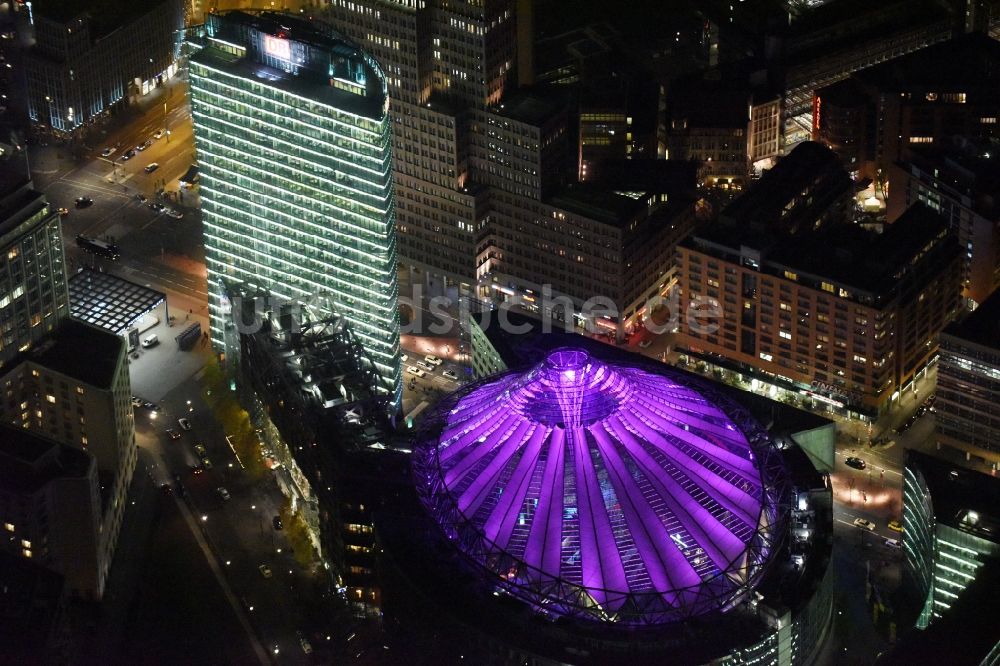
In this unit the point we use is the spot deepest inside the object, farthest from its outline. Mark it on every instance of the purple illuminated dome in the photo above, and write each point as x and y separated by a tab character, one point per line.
604	492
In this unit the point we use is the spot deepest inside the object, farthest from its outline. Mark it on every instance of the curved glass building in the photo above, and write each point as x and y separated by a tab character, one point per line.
604	492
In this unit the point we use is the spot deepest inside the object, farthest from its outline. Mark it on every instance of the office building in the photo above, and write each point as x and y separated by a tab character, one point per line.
82	400
563	565
293	140
33	293
314	396
441	59
968	385
86	60
603	253
961	180
950	531
795	298
923	98
50	507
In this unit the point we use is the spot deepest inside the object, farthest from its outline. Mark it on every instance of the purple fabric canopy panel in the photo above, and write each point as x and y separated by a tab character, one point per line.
605	492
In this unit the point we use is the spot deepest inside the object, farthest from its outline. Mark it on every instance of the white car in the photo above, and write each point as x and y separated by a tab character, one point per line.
450	374
136	402
429	367
433	360
176	214
151	167
306	647
416	371
150	341
184	424
159	134
864	524
107	152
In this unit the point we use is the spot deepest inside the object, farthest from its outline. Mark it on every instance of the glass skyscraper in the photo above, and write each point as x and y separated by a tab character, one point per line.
295	158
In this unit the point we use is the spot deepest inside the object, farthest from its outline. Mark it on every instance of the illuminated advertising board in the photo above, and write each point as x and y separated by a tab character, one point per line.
277	47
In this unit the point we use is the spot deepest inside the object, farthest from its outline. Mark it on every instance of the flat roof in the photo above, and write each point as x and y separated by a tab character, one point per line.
598	203
108	301
79	350
534	106
982	327
956	492
31	460
970	61
105	15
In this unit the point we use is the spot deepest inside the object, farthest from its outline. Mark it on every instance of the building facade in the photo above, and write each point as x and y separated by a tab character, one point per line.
823	309
968	388
962	183
295	153
33	292
82	401
84	63
50	507
950	526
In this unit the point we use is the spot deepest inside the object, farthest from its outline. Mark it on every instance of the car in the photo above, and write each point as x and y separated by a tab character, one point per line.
200	450
206	463
265	571
136	402
856	463
450	374
404	358
864	524
429	367
645	343
107	152
893	543
173	434
150	341
166	489
433	360
83	202
141	198
129	154
416	371
151	406
144	145
896	525
276	522
306	647
176	214
156	205
151	167
184	424
63	212
223	493
158	135
197	469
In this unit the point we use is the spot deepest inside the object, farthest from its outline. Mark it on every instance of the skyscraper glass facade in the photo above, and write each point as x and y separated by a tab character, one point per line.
294	151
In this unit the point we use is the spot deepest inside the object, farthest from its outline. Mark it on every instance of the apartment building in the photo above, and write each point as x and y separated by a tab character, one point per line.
800	300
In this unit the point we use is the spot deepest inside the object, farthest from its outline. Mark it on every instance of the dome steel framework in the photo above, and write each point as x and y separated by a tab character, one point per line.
604	492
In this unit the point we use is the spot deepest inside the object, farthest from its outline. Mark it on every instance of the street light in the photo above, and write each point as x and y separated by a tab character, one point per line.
204	518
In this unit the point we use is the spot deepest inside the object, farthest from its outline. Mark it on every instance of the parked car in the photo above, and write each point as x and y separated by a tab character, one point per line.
265	571
176	214
306	647
136	402
173	434
200	450
429	367
450	374
896	525
150	341
433	360
223	493
856	463
184	424
864	524
206	463
151	167
276	521
156	205
416	371
893	543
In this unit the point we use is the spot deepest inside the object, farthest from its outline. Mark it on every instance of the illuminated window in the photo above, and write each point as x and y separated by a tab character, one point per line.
9	527
26	553
826	286
25	543
921	139
51	398
79	389
766	357
791	276
785	334
34	373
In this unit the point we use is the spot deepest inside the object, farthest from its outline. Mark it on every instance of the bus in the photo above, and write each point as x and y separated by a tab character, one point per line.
98	247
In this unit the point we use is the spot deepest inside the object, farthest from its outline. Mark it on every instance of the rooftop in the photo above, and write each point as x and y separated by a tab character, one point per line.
29	461
970	168
534	106
108	301
602	204
79	350
314	55
105	15
963	499
982	327
970	62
